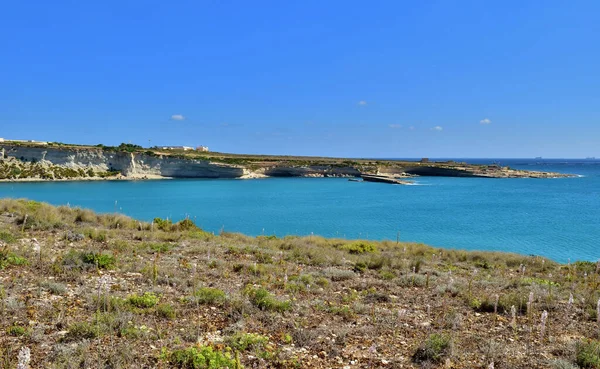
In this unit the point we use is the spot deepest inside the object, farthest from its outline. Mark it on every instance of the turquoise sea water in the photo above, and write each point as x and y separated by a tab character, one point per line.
557	218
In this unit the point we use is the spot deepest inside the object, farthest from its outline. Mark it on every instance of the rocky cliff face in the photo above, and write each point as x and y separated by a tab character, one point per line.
139	165
129	164
55	162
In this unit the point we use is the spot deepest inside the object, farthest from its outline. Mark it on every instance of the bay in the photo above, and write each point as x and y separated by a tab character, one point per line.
556	218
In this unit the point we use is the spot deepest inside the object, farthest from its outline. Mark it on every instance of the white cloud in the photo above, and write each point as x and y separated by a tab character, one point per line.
485	121
362	103
395	125
177	117
438	128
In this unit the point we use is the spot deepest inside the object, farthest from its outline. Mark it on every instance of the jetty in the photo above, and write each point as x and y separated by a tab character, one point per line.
384	179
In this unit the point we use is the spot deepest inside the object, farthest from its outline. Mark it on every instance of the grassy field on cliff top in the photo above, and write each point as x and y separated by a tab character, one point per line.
229	158
83	290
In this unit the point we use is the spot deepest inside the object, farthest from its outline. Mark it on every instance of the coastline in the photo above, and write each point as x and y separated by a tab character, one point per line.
87	179
19	161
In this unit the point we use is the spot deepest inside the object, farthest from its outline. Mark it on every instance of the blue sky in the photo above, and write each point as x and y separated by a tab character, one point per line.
338	78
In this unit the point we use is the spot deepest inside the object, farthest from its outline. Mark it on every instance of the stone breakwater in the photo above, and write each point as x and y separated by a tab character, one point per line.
19	162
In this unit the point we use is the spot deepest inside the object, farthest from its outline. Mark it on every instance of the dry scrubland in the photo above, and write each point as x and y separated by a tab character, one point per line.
82	290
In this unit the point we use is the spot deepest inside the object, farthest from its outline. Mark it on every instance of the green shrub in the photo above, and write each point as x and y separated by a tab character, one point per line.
80	331
245	341
145	301
434	349
16	330
585	267
160	247
8	258
209	296
262	299
416	265
322	282
7	237
359	247
132	332
203	357
102	261
186	225
519	300
360	267
588	354
166	311
96	235
387	275
263	258
412	280
163	224
483	305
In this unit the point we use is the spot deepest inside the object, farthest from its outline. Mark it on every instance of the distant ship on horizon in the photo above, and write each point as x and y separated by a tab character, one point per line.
538	158
590	158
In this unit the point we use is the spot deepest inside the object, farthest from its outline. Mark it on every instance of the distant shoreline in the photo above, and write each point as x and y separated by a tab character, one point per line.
31	161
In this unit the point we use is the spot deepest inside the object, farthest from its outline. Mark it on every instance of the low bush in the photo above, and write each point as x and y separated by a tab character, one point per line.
54	288
166	311
264	300
434	349
208	296
101	260
167	225
16	330
337	275
359	247
245	341
412	280
588	354
8	258
483	304
7	237
80	331
145	301
203	357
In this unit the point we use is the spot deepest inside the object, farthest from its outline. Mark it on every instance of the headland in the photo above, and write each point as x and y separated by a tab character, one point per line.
57	161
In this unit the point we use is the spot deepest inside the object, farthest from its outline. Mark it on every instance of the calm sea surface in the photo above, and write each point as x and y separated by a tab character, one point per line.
557	218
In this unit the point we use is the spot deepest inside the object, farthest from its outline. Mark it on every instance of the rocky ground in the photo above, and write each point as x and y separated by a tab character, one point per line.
81	290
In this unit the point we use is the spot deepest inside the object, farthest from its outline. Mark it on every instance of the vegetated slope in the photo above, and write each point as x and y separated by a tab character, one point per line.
106	291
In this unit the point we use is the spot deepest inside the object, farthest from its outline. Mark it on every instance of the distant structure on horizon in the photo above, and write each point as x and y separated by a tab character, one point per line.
184	148
26	141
